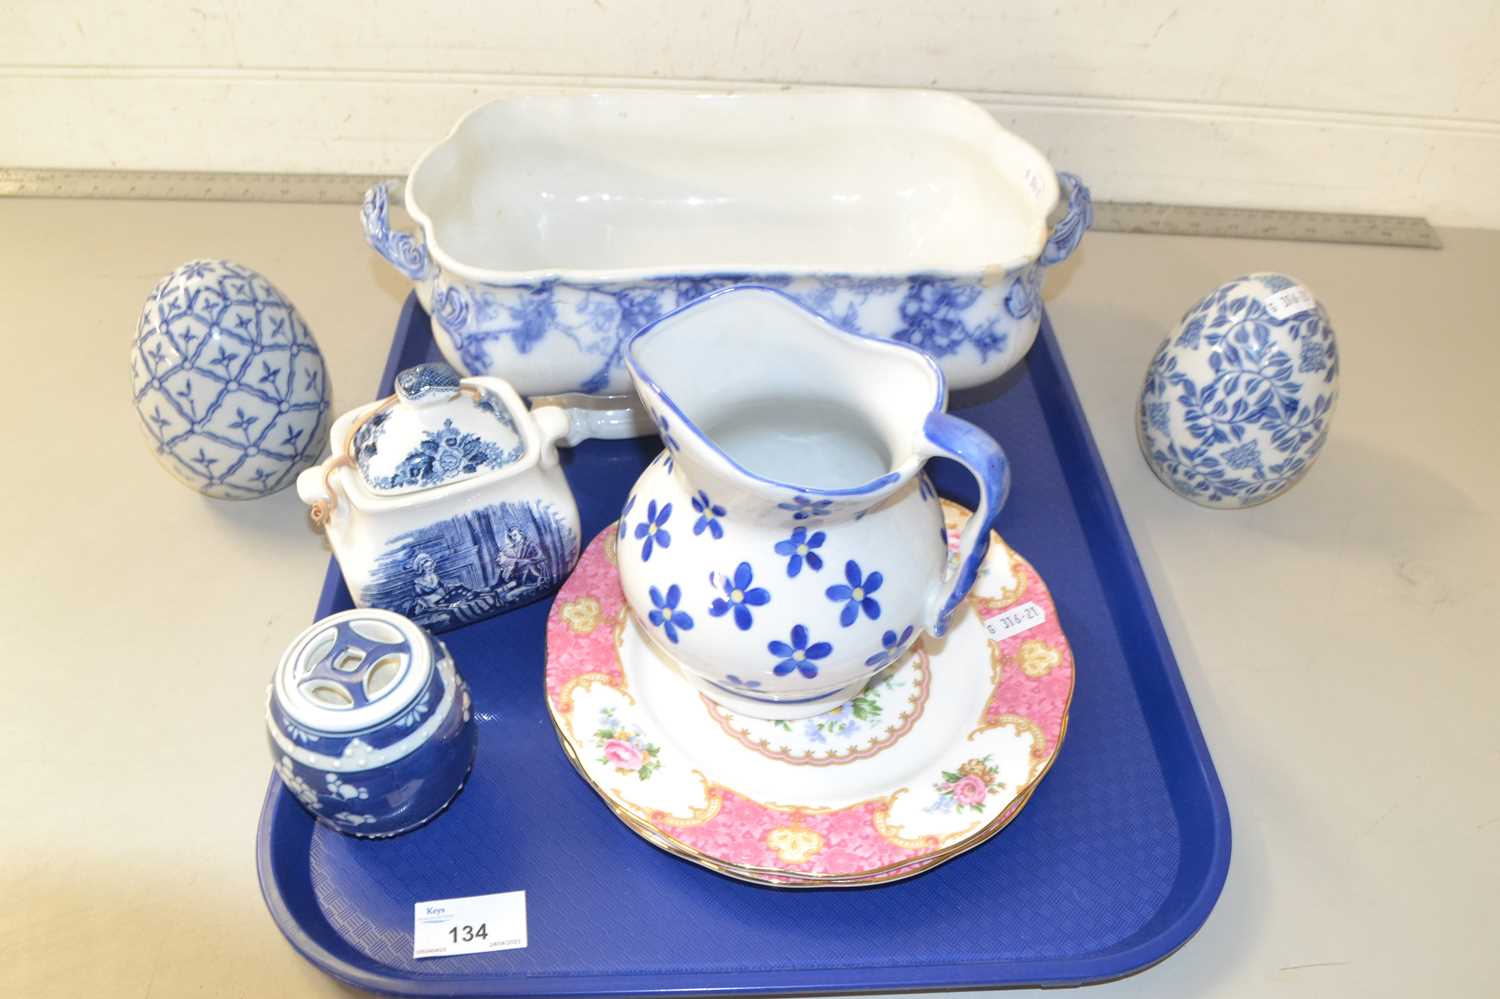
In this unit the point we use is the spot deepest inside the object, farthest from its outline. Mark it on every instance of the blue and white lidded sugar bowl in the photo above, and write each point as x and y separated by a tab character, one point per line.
369	723
228	381
1237	401
445	502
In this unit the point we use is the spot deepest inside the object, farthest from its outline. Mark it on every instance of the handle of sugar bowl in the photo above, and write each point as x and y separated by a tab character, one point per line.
945	436
405	251
1076	220
569	420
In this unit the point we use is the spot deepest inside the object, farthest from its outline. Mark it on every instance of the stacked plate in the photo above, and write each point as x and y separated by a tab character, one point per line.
938	754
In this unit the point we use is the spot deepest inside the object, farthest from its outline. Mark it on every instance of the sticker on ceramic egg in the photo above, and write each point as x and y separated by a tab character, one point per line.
1289	302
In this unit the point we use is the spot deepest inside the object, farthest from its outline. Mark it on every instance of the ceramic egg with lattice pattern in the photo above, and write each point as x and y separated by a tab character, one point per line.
229	384
1237	401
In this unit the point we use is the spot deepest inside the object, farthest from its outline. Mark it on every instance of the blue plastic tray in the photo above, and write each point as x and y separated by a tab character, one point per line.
1116	861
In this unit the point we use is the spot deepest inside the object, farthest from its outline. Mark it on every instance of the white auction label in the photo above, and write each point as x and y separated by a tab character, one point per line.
469	925
1289	302
1015	621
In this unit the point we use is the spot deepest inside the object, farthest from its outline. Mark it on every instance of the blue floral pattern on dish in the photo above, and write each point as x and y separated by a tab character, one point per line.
665	615
934	316
708	516
653	530
857	595
891	646
799	549
975	324
797	655
739	596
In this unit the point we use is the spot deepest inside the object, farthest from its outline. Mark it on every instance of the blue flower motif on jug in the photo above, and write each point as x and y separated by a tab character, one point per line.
805	507
624	517
653	530
891	646
739	595
665	615
708	516
857	595
799	549
665	430
797	655
735	681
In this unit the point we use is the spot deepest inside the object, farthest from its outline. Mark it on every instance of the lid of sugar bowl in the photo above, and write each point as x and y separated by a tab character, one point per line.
435	431
357	688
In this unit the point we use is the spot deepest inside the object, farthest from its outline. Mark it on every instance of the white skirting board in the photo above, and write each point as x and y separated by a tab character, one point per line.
1126	150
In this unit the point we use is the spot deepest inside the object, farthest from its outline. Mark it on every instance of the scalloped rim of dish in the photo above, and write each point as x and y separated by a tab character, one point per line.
1023	151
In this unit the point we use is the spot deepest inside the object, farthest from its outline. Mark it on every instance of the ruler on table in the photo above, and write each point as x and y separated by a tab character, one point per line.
1261	223
317	188
160	185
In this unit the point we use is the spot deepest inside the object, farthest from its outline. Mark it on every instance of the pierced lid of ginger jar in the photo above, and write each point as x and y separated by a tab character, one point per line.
360	689
435	431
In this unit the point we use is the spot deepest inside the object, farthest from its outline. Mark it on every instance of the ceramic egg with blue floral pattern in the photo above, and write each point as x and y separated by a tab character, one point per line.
228	381
1237	401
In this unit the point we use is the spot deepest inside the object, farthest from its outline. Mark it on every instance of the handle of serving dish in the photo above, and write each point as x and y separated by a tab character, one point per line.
947	436
1068	232
405	251
573	418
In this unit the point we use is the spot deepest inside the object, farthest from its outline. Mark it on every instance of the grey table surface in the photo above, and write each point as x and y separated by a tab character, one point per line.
1338	642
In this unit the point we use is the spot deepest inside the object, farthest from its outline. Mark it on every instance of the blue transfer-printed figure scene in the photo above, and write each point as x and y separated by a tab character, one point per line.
474	565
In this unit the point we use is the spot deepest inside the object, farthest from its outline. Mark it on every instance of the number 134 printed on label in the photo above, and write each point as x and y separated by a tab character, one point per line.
470	925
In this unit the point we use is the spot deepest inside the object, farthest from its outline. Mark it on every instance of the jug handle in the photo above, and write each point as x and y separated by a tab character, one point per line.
946	436
405	252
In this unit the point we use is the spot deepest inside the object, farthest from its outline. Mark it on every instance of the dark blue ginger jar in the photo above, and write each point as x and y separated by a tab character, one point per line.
369	723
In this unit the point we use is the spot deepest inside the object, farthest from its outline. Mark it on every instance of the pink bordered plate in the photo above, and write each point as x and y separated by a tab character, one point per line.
936	755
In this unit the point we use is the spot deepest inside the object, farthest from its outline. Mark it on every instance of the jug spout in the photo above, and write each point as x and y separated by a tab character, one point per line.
756	397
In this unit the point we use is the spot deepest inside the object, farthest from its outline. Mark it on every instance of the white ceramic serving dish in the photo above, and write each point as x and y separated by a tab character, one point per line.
553	227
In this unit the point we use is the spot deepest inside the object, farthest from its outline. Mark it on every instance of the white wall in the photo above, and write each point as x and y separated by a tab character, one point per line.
1360	106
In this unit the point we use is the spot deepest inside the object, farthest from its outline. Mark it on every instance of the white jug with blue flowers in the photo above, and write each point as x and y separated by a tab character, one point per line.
786	547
